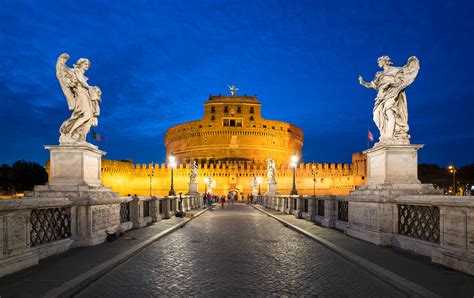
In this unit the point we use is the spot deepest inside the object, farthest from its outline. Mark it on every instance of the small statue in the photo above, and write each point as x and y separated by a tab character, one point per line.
271	170
254	182
390	112
83	100
233	90
194	172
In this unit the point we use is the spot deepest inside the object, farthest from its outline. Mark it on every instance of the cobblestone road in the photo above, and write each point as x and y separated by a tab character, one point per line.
235	252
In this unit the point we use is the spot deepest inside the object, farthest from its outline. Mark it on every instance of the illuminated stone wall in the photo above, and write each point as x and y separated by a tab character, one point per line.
331	179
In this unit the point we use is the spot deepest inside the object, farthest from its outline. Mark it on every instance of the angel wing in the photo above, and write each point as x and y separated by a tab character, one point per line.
410	71
66	79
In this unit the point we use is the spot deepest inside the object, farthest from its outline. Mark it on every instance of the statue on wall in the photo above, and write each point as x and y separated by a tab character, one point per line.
194	172
390	112
83	100
271	170
254	182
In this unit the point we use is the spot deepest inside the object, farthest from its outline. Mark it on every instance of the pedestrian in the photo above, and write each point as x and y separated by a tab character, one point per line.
222	201
232	198
228	199
209	200
204	202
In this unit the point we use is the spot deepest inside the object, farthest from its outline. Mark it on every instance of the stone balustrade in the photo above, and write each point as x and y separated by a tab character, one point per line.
34	228
439	227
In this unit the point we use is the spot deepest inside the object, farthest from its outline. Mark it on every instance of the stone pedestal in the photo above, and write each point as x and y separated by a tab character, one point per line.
255	190
75	164
271	190
193	189
393	170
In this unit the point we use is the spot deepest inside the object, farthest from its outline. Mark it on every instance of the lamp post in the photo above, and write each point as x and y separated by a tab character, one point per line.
452	170
259	180
206	181
151	174
314	179
172	165
294	164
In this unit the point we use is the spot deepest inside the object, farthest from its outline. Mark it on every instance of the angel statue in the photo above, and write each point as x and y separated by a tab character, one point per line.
390	112
271	170
194	172
83	100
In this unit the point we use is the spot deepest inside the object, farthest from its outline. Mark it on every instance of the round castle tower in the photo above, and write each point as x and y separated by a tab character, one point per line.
233	129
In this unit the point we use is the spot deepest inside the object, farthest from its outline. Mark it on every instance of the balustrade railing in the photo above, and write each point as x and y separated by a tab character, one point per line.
420	222
49	225
146	208
124	212
320	207
343	210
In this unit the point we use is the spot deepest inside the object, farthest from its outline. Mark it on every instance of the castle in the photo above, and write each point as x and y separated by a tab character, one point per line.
230	145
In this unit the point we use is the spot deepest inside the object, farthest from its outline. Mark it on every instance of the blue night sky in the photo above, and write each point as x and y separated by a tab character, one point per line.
157	62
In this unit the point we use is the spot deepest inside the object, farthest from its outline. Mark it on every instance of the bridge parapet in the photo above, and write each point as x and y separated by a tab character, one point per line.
34	228
436	226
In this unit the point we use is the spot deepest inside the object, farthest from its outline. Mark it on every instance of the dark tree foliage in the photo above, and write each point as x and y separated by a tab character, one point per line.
431	173
21	176
465	174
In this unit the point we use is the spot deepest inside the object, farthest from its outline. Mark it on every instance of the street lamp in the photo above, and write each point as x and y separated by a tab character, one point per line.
259	180
452	170
314	179
172	165
206	181
294	164
151	174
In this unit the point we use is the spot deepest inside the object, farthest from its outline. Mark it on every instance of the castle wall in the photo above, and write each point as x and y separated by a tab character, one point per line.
331	179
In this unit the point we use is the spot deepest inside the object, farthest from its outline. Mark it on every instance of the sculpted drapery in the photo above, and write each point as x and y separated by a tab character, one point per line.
271	170
194	172
390	112
83	100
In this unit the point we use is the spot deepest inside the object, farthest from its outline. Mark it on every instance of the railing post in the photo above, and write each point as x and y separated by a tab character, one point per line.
136	212
299	207
155	209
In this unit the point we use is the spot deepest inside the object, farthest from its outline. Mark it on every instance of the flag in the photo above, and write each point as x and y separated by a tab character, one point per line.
370	135
96	136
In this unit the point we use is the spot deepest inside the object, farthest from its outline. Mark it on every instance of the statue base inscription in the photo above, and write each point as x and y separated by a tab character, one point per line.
393	170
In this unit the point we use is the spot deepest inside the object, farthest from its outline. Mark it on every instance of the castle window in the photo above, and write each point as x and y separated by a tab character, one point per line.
232	122
251	118
226	109
264	126
273	127
213	109
251	110
213	117
239	110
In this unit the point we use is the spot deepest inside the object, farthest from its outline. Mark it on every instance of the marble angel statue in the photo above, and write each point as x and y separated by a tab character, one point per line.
83	100
193	173
271	170
390	112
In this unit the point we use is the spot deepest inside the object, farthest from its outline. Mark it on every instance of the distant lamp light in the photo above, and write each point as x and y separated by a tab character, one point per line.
172	165
294	164
259	180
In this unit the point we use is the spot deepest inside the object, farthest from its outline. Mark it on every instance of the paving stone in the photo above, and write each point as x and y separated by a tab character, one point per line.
237	251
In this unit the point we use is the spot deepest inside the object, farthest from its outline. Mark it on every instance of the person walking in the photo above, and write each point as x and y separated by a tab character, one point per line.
222	201
232	198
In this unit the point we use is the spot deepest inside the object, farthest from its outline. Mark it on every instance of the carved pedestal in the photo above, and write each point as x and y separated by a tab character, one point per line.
393	170
193	189
272	190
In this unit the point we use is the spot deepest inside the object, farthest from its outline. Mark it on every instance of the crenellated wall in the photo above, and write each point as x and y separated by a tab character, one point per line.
331	178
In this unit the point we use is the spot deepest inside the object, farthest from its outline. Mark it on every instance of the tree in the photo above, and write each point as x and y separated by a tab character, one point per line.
26	174
6	181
